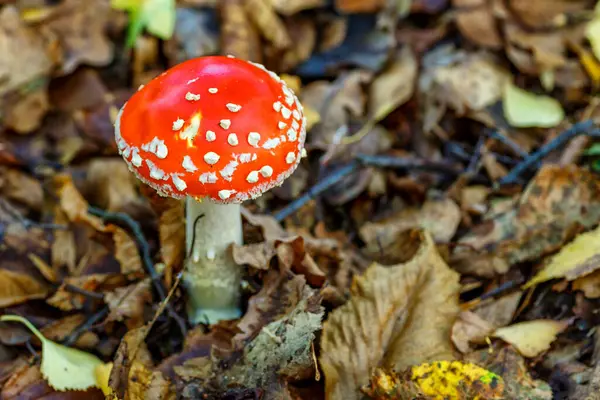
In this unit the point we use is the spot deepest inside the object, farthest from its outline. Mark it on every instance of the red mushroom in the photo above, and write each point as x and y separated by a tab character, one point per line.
215	128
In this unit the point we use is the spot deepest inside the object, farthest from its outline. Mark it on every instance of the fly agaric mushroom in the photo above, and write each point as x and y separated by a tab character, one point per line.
217	131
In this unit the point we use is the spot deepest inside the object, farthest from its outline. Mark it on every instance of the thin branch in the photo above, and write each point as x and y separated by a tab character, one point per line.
583	127
144	248
86	326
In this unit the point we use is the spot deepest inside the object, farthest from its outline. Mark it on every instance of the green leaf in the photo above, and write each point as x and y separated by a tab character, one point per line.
523	109
63	367
157	16
593	150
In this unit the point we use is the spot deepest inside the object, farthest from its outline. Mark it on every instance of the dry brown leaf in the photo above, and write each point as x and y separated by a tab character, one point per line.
80	25
394	86
26	112
546	13
470	328
111	184
531	338
17	288
334	32
30	58
67	300
542	222
397	316
476	21
271	26
239	37
73	204
500	312
290	7
22	188
171	230
127	303
589	285
359	6
64	251
60	329
126	251
440	217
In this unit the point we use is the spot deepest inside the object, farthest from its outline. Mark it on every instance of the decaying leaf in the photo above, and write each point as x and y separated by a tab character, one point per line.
16	288
64	368
468	328
127	303
531	338
524	109
126	251
543	220
399	315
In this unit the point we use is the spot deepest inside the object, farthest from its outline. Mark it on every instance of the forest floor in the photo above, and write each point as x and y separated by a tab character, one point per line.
440	240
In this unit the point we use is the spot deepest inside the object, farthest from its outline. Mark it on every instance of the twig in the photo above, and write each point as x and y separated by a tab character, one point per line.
317	189
74	289
577	129
86	326
497	135
144	247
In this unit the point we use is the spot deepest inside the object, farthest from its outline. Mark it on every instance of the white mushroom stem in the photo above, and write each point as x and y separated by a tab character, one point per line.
211	277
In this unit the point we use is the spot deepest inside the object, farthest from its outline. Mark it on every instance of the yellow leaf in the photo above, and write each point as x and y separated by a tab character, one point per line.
592	32
102	372
576	259
63	367
523	109
531	338
450	380
159	16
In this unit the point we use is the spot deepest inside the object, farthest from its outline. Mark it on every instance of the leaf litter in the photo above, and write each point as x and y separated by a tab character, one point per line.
438	241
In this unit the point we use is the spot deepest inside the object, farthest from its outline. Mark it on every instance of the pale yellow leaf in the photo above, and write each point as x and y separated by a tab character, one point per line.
592	33
523	109
576	259
63	367
531	338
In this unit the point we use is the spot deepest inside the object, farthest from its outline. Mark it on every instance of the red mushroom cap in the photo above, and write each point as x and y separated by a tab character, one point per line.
215	127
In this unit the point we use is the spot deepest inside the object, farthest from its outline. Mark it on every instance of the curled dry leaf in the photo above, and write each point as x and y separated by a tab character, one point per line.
126	251
171	231
73	204
470	328
17	288
542	221
271	26
30	58
440	217
127	303
574	260
399	315
532	338
111	184
476	21
239	36
22	188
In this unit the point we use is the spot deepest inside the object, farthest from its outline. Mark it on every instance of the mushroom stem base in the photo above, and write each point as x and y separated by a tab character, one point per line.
211	277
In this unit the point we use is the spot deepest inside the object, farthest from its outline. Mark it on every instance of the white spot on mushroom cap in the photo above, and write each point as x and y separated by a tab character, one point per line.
233	107
292	135
225	194
253	139
290	157
286	112
178	124
188	164
178	182
136	160
252	177
303	153
211	157
192	96
208	177
213	90
225	123
232	139
247	157
228	170
192	80
266	171
281	125
295	124
277	106
210	136
271	143
157	147
296	114
155	172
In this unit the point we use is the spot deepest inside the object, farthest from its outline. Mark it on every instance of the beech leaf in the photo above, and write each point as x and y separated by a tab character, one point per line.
63	367
531	338
523	109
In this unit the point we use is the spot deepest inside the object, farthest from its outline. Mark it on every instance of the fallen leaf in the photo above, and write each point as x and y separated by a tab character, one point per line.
73	204
270	25
592	32
401	315
127	303
469	327
22	188
126	251
60	329
171	230
477	22
239	36
523	109
16	288
63	367
518	383
110	184
541	222
589	285
576	259
531	338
